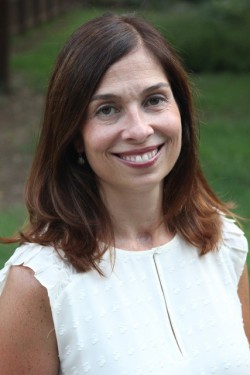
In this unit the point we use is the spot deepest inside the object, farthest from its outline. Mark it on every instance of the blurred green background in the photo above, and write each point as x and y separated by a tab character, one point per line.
212	37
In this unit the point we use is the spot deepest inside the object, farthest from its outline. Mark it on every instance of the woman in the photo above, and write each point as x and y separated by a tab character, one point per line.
129	264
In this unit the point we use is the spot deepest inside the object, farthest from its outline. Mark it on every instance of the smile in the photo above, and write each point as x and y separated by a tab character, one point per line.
142	158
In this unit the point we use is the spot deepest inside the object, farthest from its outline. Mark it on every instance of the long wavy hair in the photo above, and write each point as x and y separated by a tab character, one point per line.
62	197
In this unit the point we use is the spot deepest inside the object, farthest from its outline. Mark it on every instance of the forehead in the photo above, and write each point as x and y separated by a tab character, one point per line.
138	67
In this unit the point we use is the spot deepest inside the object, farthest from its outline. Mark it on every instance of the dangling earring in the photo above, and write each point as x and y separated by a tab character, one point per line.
80	160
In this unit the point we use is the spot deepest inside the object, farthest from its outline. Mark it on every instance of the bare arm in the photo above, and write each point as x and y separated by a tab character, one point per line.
243	291
27	338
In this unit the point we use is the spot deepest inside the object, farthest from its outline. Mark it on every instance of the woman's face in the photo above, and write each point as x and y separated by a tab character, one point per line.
132	136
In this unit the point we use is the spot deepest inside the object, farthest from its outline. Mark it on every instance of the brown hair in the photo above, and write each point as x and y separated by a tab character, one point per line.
62	197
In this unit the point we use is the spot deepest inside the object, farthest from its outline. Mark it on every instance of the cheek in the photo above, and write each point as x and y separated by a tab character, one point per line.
175	130
175	121
172	126
96	140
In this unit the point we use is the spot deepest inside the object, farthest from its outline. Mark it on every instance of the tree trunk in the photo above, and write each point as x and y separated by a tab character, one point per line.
4	45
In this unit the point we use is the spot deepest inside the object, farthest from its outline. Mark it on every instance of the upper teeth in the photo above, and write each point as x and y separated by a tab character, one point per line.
140	158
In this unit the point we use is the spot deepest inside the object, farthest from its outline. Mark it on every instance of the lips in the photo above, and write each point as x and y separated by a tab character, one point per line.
140	156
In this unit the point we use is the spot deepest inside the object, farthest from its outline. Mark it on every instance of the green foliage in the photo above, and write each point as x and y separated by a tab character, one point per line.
206	41
224	137
224	145
234	11
35	52
208	37
207	44
10	221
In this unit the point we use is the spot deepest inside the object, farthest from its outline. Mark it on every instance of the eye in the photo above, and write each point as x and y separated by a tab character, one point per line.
106	110
155	100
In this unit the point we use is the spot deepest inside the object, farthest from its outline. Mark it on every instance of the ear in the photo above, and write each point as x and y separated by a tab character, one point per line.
79	146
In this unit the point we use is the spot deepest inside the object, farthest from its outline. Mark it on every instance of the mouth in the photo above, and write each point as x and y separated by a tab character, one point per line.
141	156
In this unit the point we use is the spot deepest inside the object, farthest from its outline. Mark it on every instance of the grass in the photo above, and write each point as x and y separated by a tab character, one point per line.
204	38
35	53
224	138
224	146
222	101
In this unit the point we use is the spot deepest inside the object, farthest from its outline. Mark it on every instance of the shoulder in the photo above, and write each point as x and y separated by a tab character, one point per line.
234	247
22	292
49	267
26	325
233	236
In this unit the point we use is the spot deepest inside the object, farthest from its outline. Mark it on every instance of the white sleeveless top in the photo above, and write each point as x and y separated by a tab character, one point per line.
163	311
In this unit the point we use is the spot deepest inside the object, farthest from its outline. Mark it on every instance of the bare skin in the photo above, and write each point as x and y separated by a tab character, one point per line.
243	292
27	339
137	218
132	114
121	119
132	194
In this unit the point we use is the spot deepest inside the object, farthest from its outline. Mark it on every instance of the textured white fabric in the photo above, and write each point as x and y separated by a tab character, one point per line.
163	311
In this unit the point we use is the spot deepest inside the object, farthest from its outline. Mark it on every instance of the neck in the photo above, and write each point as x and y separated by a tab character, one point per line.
137	218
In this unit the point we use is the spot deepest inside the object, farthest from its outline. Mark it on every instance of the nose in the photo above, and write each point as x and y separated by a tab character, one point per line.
137	126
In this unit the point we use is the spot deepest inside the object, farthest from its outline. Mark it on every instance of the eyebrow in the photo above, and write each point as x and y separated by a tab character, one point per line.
110	96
